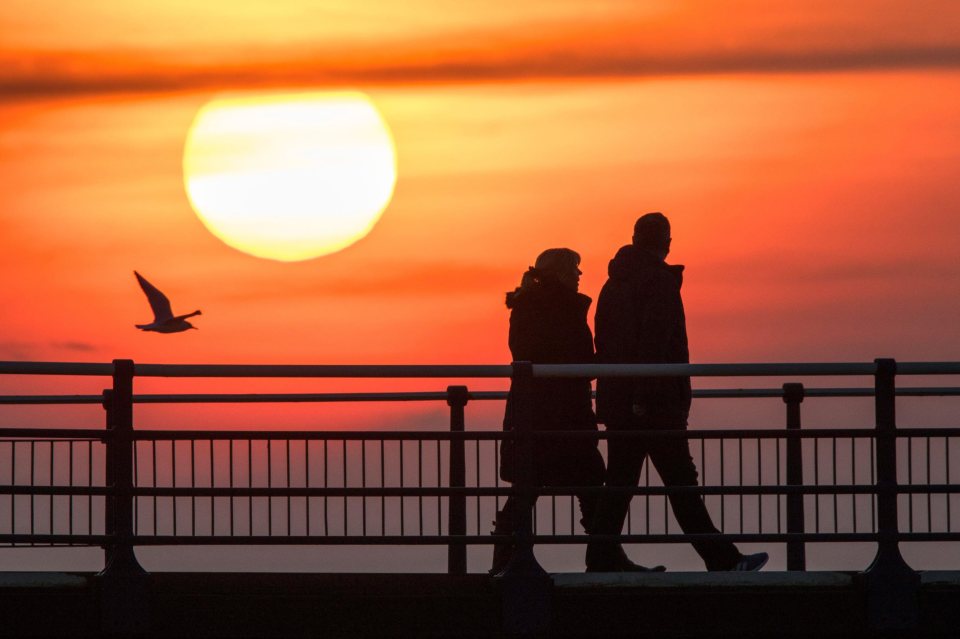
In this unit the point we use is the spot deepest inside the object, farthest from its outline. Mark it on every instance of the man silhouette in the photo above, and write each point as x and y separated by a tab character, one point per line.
640	319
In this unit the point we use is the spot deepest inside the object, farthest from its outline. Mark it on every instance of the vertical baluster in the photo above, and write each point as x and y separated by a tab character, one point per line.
740	477
193	484
32	484
779	483
420	485
52	464
816	482
326	484
929	494
213	526
13	482
759	496
383	483
853	479
173	474
70	483
363	484
90	485
910	481
833	441
153	446
873	481
250	486
230	468
269	487
439	500
306	480
723	482
946	458
288	487
476	448
403	499
703	466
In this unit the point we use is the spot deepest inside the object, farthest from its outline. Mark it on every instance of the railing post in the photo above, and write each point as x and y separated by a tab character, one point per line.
526	589
457	397
796	551
124	589
891	584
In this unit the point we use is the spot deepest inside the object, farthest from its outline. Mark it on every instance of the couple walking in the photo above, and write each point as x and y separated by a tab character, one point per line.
639	319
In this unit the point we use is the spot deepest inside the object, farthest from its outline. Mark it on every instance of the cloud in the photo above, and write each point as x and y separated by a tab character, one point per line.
80	347
66	74
17	351
25	350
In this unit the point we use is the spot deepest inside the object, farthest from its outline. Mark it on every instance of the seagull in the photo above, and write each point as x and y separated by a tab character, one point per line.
164	320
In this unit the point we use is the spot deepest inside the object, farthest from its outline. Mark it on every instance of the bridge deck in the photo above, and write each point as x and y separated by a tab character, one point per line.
783	604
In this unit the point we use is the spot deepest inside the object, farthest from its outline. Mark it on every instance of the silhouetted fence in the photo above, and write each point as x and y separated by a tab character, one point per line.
122	487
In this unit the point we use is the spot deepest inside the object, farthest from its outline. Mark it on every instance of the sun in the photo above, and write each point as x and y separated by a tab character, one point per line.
290	176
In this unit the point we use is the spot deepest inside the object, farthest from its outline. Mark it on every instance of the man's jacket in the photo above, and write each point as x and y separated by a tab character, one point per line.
640	320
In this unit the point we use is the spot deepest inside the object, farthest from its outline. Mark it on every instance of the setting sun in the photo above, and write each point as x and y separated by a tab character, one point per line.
290	177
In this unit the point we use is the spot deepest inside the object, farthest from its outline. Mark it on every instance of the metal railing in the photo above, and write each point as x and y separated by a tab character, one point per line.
122	487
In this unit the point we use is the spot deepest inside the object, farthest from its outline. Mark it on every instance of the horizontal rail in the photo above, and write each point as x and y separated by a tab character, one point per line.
33	434
55	368
443	491
427	396
435	540
78	434
311	370
76	539
51	399
702	370
476	371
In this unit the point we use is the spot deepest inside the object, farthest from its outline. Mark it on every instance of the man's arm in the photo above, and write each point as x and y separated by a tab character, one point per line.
657	320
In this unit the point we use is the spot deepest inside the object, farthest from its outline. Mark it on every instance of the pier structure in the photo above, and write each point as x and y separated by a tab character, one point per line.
120	487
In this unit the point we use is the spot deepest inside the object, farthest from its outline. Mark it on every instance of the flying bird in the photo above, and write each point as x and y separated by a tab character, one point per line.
164	321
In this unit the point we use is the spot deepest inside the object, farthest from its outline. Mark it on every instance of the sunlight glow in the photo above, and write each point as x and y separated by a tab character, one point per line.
290	177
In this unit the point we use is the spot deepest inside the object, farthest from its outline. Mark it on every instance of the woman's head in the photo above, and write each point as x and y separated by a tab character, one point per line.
559	265
562	264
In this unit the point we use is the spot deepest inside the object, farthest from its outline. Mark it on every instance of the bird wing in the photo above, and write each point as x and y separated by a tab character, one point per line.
158	301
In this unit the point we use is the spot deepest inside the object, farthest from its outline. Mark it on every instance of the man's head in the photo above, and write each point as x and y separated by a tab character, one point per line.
652	232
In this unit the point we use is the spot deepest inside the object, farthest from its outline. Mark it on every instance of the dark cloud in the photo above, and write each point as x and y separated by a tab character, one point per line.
80	347
52	79
20	350
17	351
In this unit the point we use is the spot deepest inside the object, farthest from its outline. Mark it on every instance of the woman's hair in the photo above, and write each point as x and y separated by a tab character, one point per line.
548	267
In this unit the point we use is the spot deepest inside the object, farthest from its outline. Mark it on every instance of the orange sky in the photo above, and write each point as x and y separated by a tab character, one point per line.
806	152
49	45
806	156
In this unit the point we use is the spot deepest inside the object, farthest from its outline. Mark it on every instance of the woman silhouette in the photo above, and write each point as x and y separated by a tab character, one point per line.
548	325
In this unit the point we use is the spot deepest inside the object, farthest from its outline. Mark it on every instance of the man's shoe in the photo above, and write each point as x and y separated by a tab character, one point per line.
752	562
614	559
624	564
